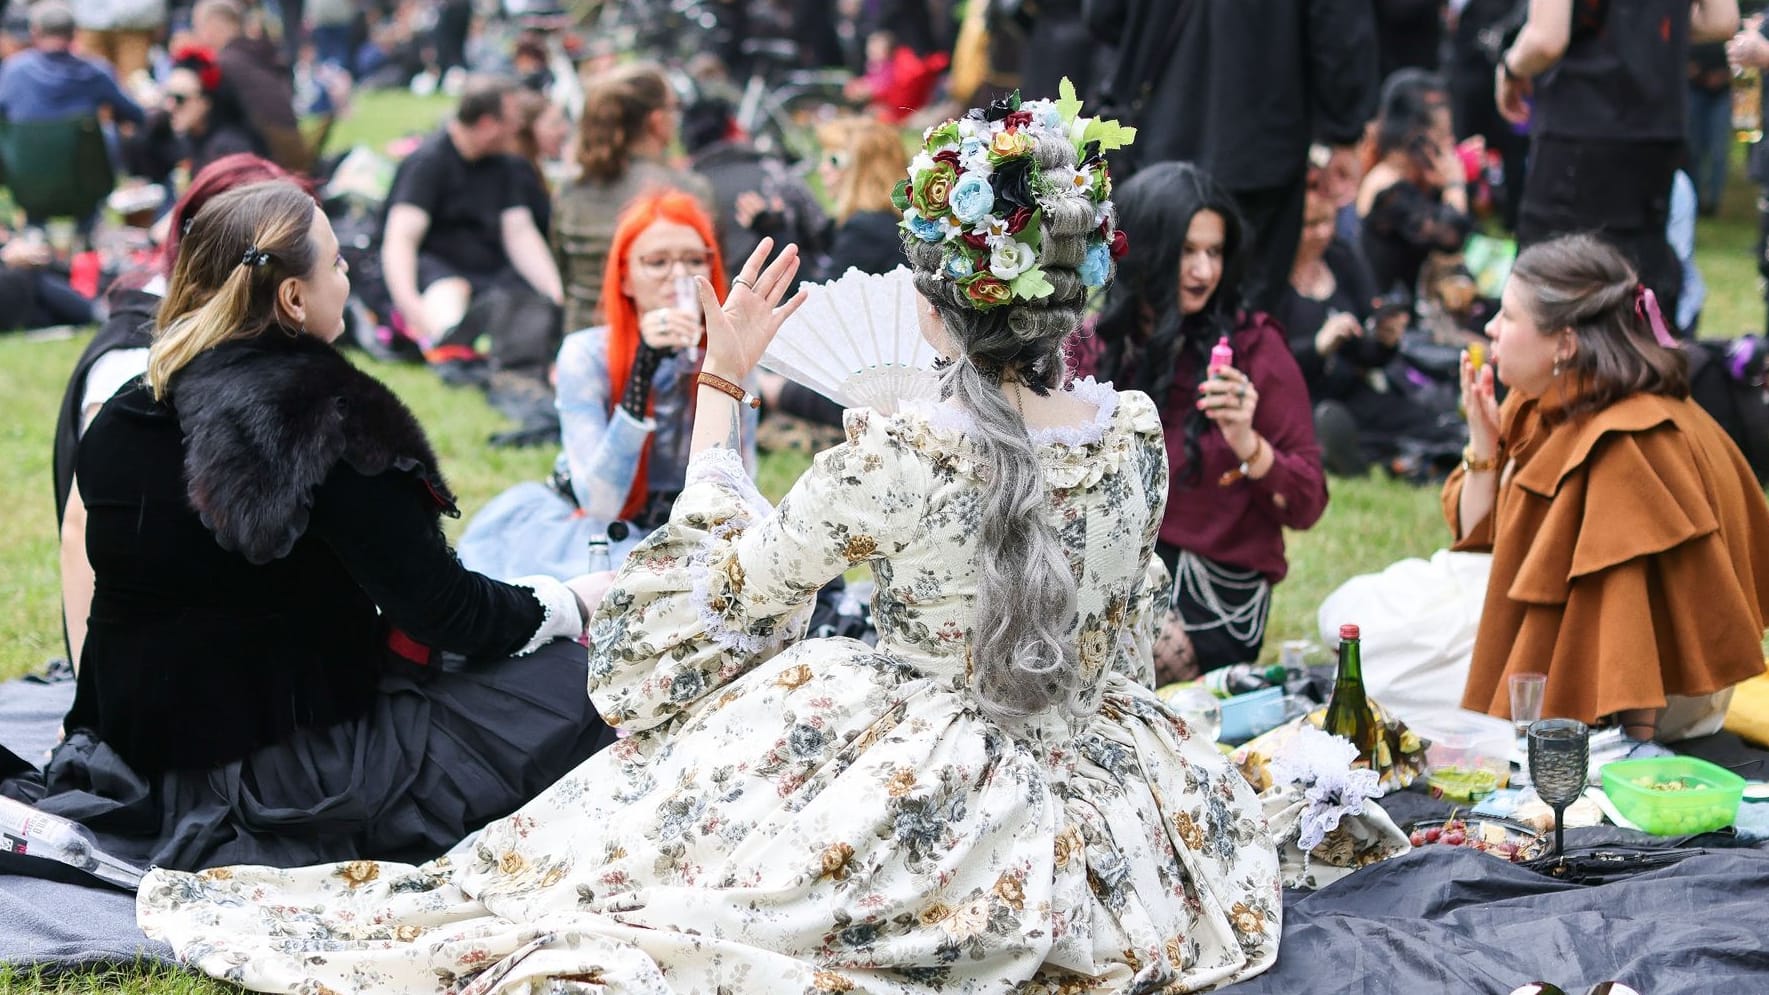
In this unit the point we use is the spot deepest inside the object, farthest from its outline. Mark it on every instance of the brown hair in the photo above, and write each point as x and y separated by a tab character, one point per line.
617	105
240	248
876	160
530	106
481	97
1581	283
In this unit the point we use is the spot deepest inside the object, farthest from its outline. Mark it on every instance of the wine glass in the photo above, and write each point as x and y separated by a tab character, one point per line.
1559	757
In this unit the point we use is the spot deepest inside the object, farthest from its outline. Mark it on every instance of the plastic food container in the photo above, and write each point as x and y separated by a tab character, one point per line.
1247	715
1468	756
1673	796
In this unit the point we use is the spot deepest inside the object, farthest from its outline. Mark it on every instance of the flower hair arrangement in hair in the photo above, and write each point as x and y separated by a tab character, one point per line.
974	189
199	60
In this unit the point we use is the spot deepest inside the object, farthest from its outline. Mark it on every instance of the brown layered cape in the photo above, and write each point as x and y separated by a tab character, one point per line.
1630	559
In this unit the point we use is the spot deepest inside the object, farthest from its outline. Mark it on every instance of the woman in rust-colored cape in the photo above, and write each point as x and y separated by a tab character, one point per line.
1630	540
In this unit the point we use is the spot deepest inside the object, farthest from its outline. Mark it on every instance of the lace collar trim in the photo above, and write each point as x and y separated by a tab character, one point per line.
1102	396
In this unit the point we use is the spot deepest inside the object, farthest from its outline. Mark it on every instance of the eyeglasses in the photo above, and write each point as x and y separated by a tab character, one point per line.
657	267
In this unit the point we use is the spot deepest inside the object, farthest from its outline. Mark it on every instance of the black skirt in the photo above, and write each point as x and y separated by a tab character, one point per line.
438	754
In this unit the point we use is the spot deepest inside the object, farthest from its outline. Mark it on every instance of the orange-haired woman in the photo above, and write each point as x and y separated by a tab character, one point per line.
625	396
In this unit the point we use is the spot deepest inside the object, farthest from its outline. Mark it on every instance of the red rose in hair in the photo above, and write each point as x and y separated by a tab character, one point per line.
1120	244
975	241
201	61
947	156
1018	220
1017	120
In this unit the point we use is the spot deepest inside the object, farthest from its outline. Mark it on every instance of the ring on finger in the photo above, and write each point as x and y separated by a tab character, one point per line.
741	282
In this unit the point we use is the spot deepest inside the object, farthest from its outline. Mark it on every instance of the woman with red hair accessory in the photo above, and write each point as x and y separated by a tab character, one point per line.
625	398
205	110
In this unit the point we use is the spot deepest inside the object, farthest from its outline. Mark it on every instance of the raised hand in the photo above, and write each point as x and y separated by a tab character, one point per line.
738	332
1482	408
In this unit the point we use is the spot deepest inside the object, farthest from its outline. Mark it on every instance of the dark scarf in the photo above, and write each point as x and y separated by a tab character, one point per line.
266	419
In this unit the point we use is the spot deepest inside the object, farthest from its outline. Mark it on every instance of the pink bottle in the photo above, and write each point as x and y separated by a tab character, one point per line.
1221	355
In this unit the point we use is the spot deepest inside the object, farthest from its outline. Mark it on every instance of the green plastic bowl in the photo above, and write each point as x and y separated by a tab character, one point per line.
1709	802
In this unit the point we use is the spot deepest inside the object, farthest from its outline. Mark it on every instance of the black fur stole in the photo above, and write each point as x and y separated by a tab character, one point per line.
266	419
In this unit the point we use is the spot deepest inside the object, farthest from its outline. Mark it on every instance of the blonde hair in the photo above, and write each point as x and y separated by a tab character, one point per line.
876	161
240	248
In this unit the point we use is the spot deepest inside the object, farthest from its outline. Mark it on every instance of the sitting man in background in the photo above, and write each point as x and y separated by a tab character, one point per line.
456	224
47	82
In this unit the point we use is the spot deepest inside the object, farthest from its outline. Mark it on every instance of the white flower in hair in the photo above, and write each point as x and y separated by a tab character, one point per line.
1010	258
921	163
992	227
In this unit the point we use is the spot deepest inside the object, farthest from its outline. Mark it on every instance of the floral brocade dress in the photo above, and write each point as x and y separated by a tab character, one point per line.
820	816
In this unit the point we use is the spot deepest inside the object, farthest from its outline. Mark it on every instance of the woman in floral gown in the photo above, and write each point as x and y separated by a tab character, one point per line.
986	801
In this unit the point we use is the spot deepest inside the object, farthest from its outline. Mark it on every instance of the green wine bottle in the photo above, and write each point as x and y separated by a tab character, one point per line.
1348	711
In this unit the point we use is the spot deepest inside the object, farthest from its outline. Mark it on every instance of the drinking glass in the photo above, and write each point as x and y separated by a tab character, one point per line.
1559	757
688	300
1526	700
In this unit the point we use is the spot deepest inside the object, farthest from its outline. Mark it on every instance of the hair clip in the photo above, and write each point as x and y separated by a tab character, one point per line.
254	257
184	229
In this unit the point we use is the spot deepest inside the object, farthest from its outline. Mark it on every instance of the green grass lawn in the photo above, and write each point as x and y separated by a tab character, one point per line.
1368	524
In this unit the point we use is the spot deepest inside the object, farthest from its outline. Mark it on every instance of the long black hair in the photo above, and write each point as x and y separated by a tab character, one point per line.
1140	326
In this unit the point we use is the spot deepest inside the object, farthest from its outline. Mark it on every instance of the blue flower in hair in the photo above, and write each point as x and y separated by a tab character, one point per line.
972	198
925	229
1096	268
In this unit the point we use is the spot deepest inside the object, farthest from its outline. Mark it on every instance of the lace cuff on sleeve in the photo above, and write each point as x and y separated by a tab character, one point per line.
559	614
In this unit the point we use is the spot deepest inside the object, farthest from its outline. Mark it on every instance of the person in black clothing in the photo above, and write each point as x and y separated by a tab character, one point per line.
1607	79
755	196
456	223
1244	89
1710	123
1749	49
32	296
1472	104
1344	337
116	355
1414	201
862	160
284	661
204	111
1409	34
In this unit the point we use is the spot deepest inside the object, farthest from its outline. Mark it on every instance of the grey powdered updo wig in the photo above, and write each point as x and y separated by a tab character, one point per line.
1008	311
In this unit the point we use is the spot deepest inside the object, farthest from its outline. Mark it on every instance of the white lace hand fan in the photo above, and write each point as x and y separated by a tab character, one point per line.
856	341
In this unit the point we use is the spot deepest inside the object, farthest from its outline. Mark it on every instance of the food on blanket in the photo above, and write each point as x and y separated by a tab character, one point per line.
1484	835
1536	814
1461	784
1673	796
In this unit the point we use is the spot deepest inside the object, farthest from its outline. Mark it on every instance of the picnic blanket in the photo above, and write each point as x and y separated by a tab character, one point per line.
1448	919
1437	919
58	924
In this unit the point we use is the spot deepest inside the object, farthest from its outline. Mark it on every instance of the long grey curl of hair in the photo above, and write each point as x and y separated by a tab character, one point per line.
1024	660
